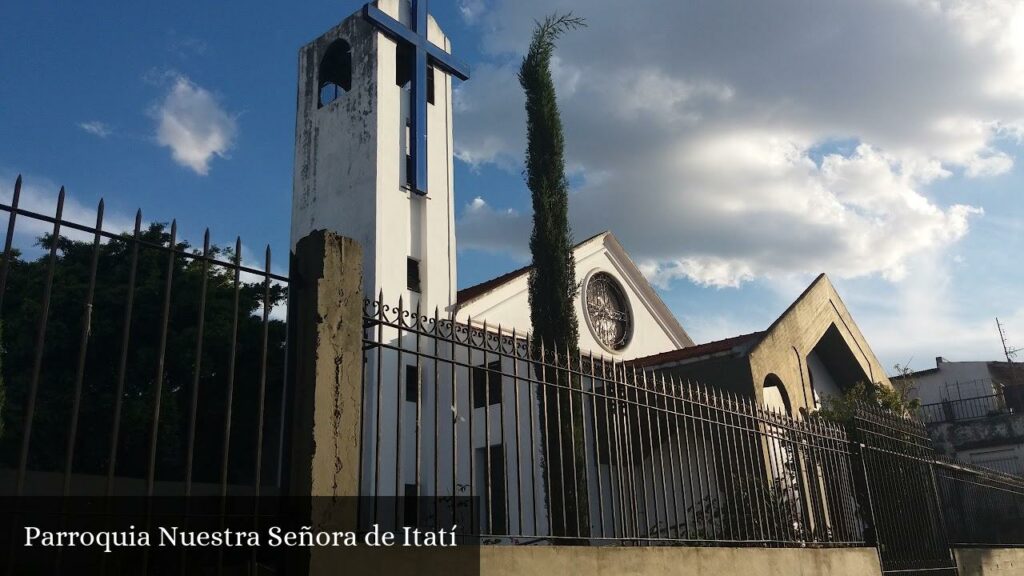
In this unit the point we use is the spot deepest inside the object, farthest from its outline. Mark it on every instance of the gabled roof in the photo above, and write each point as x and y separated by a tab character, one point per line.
726	344
475	291
744	344
660	310
700	350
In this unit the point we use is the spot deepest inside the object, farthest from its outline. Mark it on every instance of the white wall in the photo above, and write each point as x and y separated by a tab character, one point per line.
1008	459
349	165
954	381
823	383
508	306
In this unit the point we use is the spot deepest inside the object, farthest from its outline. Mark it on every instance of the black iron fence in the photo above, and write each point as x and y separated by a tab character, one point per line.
551	446
963	409
905	520
573	447
133	363
982	507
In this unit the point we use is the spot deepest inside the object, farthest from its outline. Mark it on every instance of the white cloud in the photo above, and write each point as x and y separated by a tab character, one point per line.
194	126
992	163
471	9
39	195
481	227
701	131
96	128
928	315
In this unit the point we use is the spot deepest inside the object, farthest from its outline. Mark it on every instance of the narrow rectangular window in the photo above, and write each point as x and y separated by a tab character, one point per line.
410	166
404	58
412	274
412	383
430	84
487	384
497	520
410	506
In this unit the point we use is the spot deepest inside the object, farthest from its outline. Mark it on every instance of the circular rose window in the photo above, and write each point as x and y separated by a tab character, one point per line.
607	311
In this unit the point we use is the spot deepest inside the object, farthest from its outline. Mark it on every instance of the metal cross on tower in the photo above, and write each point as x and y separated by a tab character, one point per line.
424	53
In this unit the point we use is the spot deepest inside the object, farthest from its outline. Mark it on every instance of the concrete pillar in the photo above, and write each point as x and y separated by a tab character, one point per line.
325	400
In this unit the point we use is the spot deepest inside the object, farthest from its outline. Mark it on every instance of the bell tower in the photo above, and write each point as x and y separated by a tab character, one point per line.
373	149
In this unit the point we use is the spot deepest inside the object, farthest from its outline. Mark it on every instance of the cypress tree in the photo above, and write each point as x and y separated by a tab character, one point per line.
552	286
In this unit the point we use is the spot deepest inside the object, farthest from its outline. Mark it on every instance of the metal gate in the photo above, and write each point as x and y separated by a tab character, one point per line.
900	492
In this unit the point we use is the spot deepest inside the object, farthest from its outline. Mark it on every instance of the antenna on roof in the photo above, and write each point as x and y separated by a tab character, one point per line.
1009	351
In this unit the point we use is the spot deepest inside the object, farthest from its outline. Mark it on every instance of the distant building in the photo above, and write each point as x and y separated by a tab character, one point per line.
974	411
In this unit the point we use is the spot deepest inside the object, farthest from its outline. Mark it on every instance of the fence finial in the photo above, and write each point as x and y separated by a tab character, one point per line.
16	197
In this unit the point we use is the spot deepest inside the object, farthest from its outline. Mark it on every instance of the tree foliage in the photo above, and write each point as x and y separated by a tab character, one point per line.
896	398
68	312
553	275
552	281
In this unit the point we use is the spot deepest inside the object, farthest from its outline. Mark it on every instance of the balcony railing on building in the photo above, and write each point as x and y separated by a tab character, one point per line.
964	409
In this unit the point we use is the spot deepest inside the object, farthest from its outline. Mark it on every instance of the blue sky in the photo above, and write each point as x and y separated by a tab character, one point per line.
736	150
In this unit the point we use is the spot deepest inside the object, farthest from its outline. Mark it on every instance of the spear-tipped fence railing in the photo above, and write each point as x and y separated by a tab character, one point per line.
459	409
982	507
149	363
134	364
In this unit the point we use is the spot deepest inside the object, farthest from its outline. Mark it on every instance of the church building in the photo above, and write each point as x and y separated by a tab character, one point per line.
374	161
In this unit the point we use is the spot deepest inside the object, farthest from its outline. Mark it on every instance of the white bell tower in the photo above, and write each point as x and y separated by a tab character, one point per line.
356	151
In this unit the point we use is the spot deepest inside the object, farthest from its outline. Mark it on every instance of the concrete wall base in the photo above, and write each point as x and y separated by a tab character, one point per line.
990	561
679	561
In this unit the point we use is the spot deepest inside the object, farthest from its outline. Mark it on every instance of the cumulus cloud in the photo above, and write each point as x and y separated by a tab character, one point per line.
192	123
703	133
96	128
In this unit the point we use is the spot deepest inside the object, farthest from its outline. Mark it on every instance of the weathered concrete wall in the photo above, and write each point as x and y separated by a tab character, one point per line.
990	561
615	561
326	358
997	430
680	561
326	348
350	160
784	349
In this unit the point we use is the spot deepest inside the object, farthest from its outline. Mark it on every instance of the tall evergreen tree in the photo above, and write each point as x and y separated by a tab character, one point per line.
553	284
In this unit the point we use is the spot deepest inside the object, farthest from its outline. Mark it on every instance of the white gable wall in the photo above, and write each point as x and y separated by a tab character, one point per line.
508	306
954	381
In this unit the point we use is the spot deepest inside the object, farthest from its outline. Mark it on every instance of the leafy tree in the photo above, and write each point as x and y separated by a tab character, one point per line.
21	315
552	281
896	398
893	404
